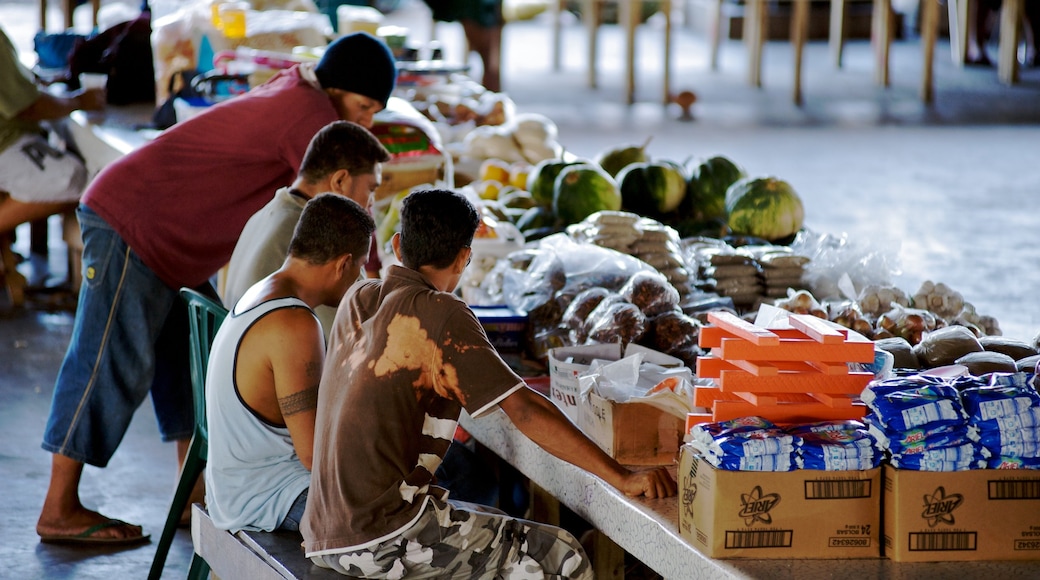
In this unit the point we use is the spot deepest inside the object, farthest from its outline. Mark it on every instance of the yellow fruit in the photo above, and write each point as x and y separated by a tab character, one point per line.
518	175
494	170
489	189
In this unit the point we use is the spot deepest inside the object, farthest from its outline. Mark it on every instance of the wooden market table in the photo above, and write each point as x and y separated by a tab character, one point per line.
629	15
647	528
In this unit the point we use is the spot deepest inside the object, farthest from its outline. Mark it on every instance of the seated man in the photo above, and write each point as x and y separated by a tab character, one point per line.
40	179
265	364
342	158
406	355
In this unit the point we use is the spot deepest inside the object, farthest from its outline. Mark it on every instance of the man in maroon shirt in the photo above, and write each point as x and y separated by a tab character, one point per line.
168	216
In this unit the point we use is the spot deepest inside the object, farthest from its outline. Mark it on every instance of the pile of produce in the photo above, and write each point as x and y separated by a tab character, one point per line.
717	236
581	293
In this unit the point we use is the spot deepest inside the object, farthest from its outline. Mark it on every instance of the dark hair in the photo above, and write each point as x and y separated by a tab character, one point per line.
435	225
341	145
331	226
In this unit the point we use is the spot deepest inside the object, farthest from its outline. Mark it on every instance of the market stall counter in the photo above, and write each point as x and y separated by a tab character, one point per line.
647	528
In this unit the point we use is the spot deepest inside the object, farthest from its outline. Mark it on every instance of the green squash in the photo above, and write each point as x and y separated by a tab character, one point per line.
582	190
542	179
706	190
764	207
651	189
614	159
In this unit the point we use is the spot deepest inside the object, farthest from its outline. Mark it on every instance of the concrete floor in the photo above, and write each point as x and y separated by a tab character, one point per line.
946	192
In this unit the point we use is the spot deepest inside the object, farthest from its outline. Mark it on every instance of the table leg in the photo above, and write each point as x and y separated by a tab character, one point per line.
608	558
590	14
556	33
715	33
629	17
666	6
1010	34
799	32
929	32
544	507
837	31
881	37
958	17
754	32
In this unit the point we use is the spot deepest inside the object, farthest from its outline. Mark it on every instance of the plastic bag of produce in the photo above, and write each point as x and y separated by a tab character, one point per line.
651	292
615	321
577	313
588	265
833	256
673	332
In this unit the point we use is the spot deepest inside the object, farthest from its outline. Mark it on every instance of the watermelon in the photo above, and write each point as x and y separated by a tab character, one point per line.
706	190
536	217
651	189
542	179
764	207
614	159
582	190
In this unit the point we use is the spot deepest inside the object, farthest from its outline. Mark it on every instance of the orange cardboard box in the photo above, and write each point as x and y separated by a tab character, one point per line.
981	514
779	515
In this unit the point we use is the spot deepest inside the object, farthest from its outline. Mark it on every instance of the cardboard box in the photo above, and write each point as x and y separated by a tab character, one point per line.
790	514
566	363
631	433
983	514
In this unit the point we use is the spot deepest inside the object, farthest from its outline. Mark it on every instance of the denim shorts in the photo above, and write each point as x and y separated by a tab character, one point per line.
130	338
291	523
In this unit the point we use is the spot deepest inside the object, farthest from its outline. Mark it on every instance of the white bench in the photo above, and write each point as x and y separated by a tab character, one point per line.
253	555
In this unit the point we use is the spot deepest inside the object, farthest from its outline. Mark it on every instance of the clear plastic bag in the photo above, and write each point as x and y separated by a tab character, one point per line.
615	321
833	256
651	292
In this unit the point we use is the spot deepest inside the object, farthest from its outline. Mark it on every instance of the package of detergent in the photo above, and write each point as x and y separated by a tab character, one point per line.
705	433
1024	420
902	409
1005	462
764	450
838	450
781	462
745	444
914	441
995	402
956	458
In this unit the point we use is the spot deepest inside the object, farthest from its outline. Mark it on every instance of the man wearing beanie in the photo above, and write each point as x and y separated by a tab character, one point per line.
165	216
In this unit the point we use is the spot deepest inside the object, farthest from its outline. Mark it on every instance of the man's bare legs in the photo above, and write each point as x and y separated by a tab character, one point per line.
487	41
198	493
64	515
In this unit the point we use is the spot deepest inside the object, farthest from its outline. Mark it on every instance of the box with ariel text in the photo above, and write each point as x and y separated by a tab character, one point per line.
979	514
787	514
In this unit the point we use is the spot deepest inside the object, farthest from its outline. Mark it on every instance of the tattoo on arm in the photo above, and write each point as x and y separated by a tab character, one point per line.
299	402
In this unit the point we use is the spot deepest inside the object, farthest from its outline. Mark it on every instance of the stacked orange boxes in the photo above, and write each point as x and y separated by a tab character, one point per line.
792	375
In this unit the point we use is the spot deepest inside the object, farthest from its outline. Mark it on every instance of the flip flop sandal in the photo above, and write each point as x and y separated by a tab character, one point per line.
86	537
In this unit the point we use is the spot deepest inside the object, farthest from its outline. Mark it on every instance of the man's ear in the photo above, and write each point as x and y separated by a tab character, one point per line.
343	264
395	242
462	259
341	181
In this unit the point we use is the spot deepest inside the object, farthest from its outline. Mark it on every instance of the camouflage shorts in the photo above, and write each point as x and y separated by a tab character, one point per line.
455	541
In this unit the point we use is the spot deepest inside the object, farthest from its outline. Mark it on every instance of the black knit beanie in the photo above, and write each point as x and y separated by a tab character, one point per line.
359	63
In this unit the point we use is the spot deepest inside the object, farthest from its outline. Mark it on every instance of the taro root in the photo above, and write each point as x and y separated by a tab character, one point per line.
980	363
944	346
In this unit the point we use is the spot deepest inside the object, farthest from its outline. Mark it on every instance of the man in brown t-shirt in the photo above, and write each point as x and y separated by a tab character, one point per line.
406	356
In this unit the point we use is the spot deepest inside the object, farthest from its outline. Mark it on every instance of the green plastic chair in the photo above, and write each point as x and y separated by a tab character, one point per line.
205	316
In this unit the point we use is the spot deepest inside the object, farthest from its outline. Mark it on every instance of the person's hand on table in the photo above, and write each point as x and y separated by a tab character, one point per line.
91	99
653	483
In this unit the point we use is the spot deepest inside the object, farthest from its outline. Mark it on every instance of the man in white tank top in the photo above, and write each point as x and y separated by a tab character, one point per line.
264	370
